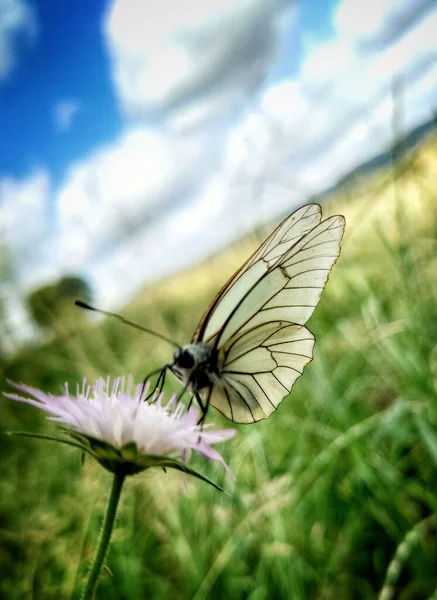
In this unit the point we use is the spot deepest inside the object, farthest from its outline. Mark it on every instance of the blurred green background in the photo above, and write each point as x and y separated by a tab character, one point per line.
335	494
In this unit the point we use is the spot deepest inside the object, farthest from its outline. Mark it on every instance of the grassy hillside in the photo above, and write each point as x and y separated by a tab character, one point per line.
335	494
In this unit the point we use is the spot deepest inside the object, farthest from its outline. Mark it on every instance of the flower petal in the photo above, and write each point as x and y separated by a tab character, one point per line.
114	414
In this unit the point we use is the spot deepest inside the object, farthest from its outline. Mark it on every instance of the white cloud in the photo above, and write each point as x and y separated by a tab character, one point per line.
123	186
65	112
111	218
16	19
157	199
376	23
171	56
23	209
24	231
337	112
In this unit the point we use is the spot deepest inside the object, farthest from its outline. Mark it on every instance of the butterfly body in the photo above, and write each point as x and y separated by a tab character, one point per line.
252	344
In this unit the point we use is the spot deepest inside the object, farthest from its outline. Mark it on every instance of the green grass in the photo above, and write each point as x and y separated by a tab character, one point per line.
335	494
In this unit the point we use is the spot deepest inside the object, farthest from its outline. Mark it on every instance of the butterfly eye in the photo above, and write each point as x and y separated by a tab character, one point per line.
185	359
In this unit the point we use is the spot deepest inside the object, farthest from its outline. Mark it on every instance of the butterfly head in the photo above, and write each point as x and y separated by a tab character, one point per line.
190	362
184	359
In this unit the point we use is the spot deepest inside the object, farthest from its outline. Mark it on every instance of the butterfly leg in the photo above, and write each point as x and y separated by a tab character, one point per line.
203	410
203	406
159	384
161	380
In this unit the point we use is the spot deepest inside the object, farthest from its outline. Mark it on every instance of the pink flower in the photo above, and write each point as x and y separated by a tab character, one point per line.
113	422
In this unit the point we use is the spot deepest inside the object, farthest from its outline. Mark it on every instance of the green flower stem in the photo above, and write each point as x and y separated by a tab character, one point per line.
105	536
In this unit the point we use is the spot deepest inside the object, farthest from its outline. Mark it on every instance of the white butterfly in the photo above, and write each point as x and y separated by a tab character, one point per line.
251	344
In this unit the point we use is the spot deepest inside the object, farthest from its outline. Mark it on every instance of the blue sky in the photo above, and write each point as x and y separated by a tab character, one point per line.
66	59
126	123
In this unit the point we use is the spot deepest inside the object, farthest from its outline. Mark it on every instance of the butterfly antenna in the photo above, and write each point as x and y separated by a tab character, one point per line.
126	321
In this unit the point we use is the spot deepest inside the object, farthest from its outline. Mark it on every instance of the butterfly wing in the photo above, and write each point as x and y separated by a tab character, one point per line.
289	290
259	370
287	234
264	306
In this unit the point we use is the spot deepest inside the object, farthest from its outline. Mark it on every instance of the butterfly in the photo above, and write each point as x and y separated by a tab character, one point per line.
251	344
